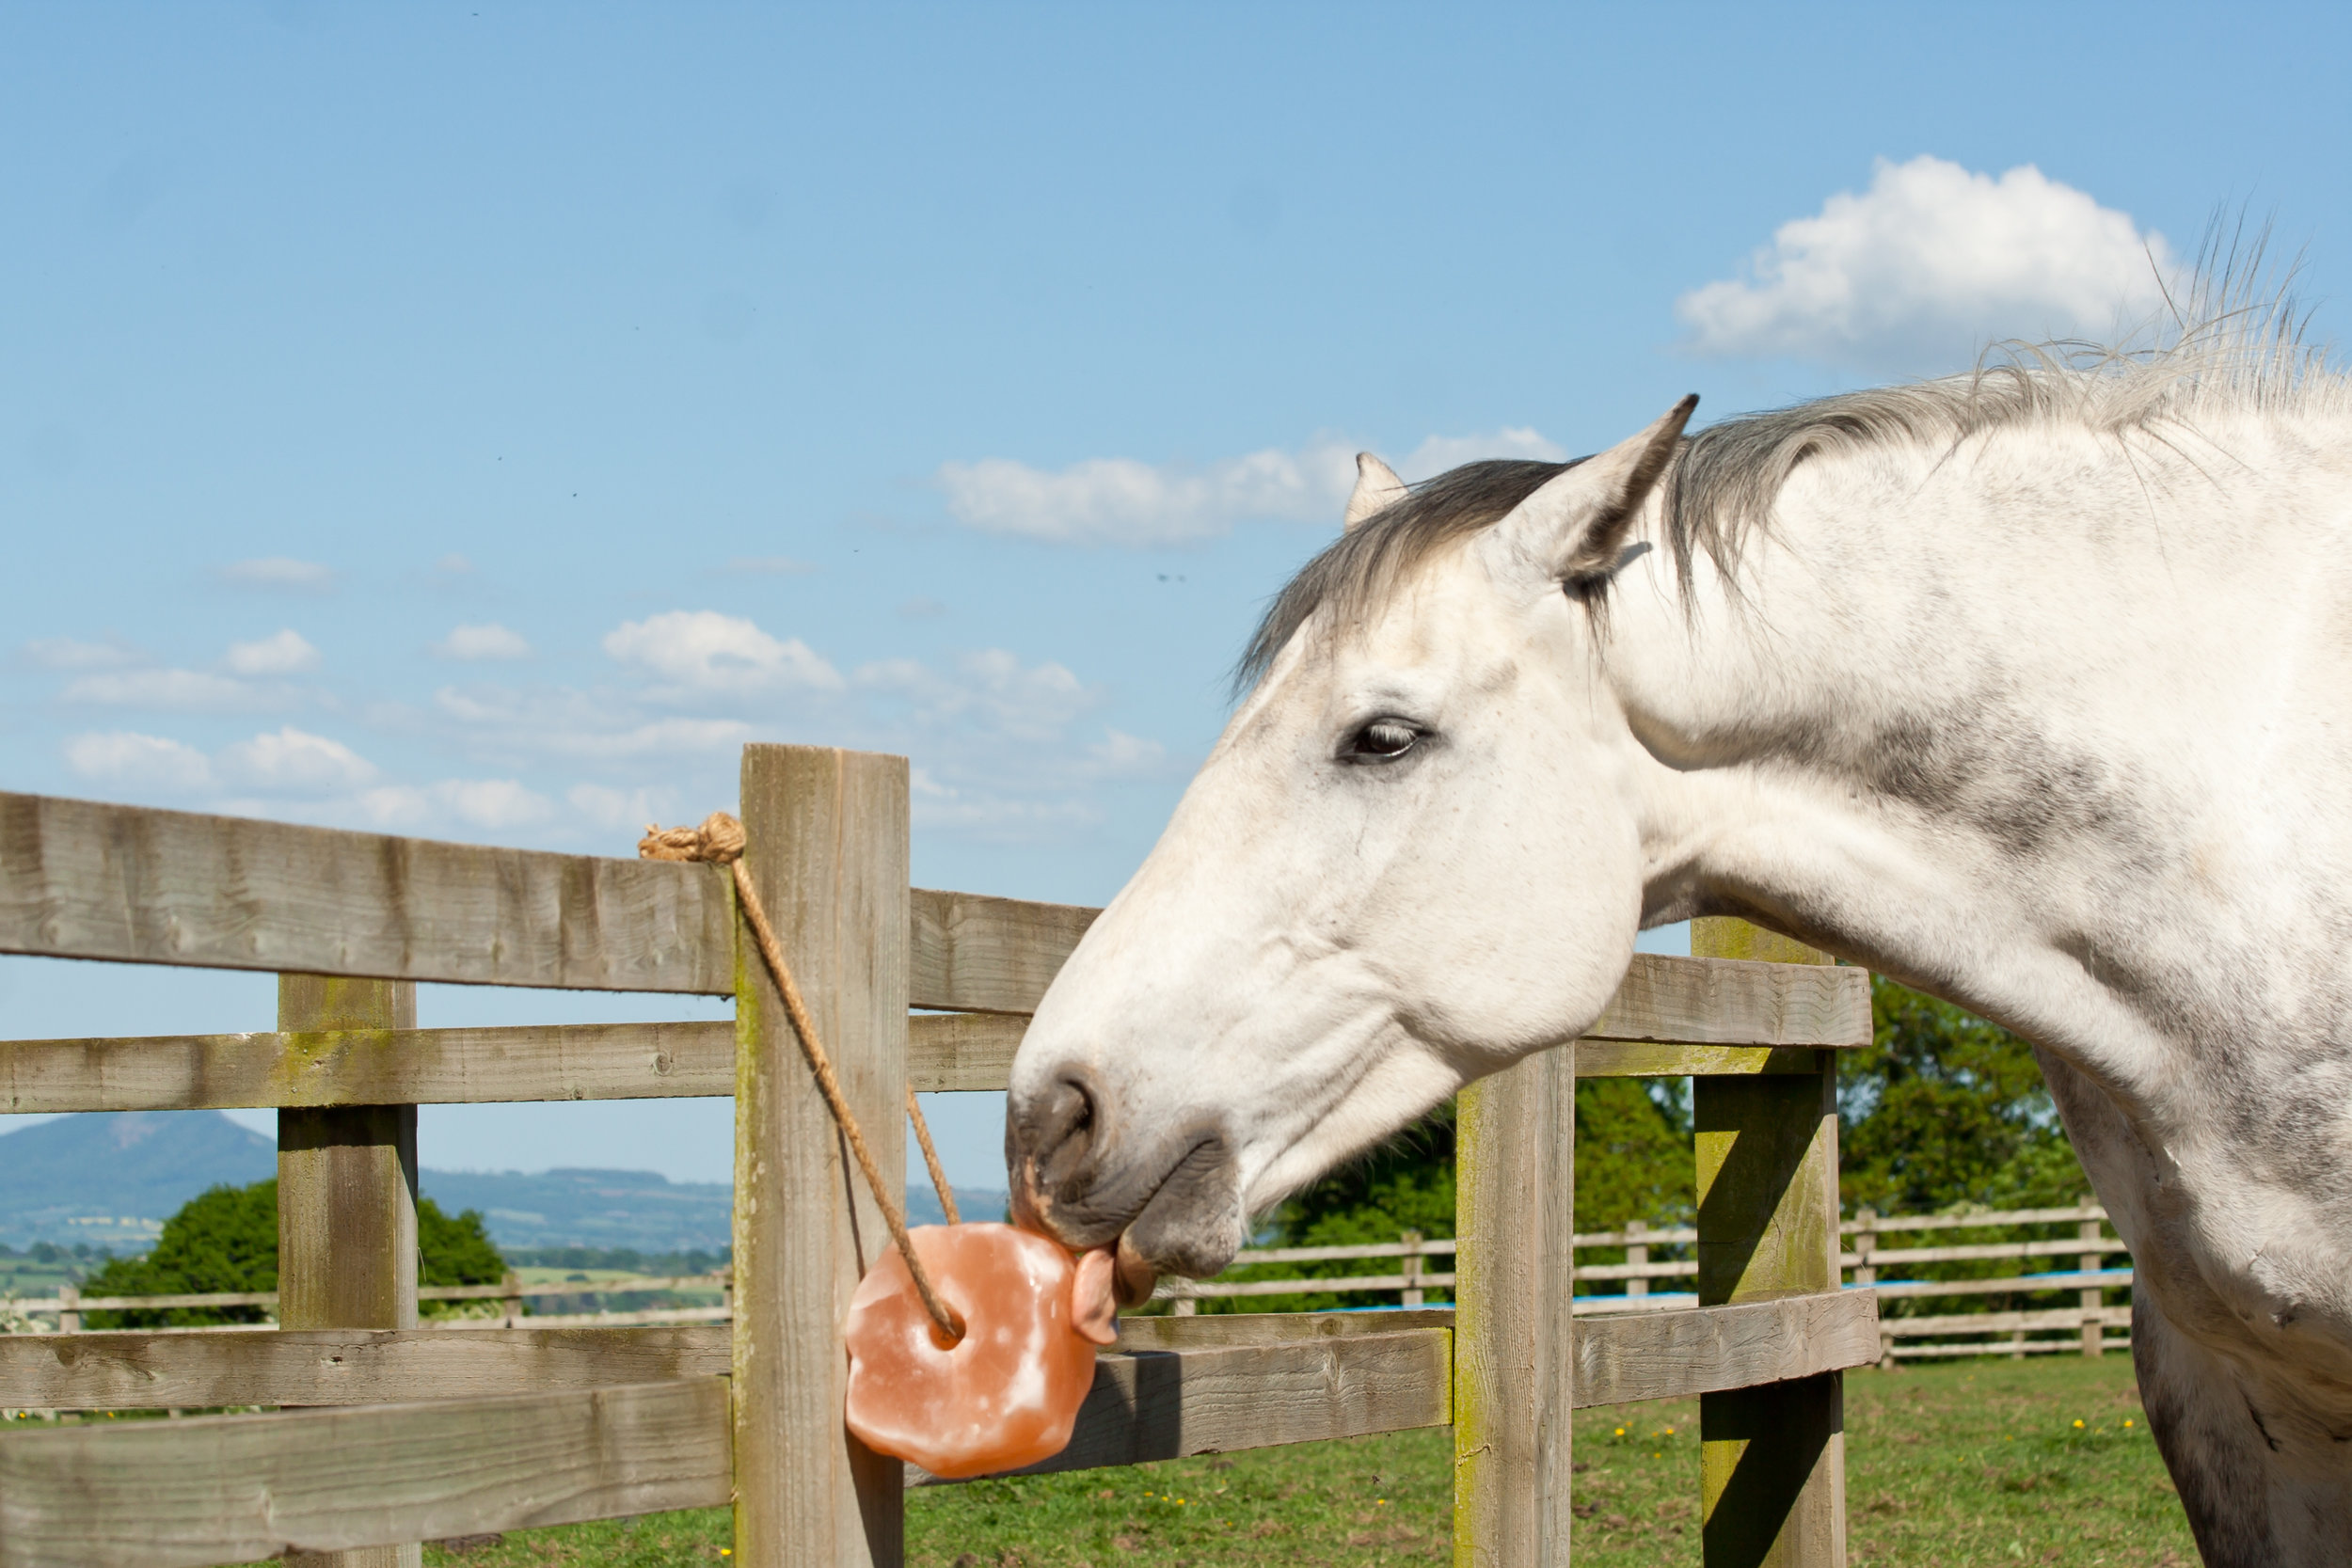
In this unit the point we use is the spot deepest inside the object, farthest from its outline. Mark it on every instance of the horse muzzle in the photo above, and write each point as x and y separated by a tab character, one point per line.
1169	1200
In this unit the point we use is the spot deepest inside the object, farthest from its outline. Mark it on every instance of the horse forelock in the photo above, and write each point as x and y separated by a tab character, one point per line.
1359	569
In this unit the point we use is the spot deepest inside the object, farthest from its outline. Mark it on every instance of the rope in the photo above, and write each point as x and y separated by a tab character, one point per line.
719	841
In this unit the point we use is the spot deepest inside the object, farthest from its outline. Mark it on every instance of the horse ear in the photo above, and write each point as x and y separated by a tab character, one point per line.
1575	525
1376	486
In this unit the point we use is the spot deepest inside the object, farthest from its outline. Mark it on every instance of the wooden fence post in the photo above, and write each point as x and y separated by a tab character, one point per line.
1413	1294
1865	1270
1514	1358
2093	1298
68	1309
1773	1465
347	1197
827	835
1636	1253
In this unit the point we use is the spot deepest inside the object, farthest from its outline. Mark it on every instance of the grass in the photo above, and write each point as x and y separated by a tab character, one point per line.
1964	1464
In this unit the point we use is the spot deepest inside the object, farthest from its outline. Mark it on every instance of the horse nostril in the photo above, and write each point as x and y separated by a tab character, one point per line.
1064	1142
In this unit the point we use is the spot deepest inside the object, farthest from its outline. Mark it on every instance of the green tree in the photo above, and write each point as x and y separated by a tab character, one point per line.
226	1239
1944	1109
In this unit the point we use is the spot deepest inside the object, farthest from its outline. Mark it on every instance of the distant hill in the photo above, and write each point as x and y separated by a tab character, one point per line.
111	1179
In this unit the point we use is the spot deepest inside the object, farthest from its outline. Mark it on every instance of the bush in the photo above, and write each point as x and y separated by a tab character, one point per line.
226	1239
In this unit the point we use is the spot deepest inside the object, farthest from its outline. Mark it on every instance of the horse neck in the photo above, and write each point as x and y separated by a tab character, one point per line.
1966	716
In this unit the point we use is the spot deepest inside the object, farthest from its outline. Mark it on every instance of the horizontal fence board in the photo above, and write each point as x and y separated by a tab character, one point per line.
371	1066
975	954
447	1067
1705	1349
1734	1002
1994	1218
2067	1318
1270	1328
1596	1058
1896	1258
2027	1347
225	1489
2065	1280
1182	1288
1217	1399
80	879
136	1371
963	1051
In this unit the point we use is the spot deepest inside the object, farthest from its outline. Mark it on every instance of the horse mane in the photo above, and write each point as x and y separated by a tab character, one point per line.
2234	344
2227	349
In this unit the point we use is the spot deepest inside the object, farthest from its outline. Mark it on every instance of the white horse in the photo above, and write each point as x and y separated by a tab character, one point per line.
2032	688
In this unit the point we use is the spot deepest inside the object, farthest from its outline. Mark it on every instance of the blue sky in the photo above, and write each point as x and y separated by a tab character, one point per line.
477	420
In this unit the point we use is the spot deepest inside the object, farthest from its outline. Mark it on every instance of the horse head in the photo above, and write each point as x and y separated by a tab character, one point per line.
1414	856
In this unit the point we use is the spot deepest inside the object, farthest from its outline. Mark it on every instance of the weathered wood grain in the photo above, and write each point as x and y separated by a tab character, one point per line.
237	1488
429	1067
1657	1059
1706	1349
983	955
325	1366
1160	1404
347	1199
1515	1203
447	1067
79	879
1772	1457
963	1051
828	850
1269	1328
1713	1001
346	1176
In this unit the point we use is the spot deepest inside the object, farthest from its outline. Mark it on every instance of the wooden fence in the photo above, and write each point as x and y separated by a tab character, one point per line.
2080	1326
2021	1332
419	1433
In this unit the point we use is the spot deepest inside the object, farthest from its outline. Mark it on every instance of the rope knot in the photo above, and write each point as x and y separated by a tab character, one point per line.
718	841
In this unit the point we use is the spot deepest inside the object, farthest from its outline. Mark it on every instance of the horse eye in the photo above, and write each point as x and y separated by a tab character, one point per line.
1382	740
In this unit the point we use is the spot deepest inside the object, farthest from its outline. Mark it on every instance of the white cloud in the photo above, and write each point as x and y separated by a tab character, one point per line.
1120	756
1440	452
493	803
278	571
488	640
1928	265
660	737
295	760
705	651
1120	500
178	691
992	689
124	758
621	810
283	654
67	653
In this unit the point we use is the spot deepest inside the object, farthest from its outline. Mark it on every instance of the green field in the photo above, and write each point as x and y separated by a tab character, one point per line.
1977	1463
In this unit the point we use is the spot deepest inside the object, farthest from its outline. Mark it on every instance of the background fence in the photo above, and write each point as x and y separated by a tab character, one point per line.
2023	1326
408	1431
